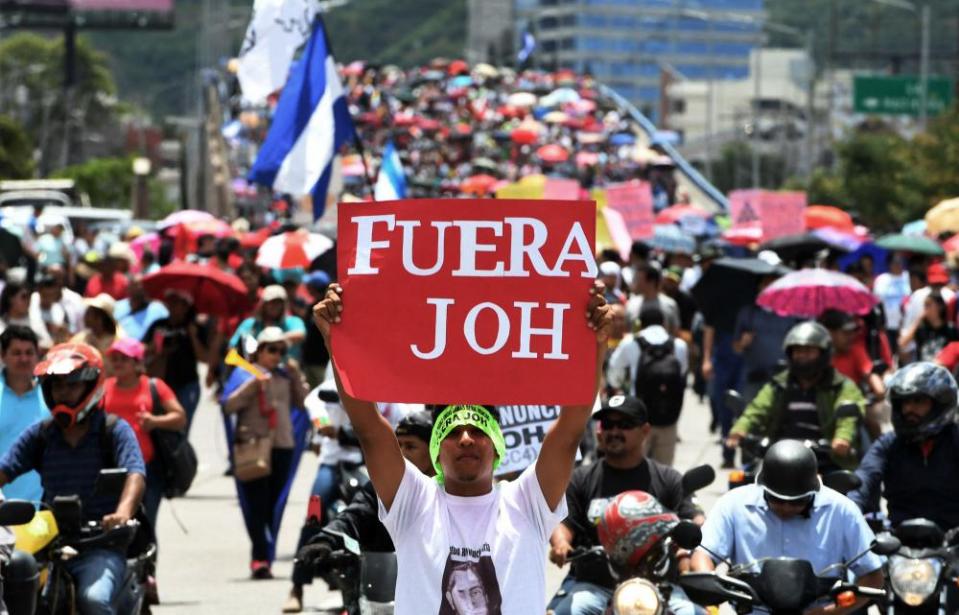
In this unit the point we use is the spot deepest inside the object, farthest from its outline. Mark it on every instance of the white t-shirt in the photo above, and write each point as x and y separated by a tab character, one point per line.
892	289
455	554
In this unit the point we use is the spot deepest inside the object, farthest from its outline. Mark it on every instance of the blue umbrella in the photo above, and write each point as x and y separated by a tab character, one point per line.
671	238
622	138
463	81
916	227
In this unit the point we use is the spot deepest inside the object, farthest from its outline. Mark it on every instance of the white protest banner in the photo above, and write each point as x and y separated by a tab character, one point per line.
524	429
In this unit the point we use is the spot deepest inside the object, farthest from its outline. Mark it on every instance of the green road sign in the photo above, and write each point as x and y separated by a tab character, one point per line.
900	95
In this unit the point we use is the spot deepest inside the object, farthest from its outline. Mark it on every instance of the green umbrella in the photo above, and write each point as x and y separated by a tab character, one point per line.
918	244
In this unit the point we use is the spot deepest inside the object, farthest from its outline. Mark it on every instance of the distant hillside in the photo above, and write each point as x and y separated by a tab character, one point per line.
156	68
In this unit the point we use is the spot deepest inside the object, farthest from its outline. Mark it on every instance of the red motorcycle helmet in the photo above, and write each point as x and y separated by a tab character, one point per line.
632	526
72	363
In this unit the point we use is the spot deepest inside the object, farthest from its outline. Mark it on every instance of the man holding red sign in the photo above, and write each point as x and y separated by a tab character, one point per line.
463	546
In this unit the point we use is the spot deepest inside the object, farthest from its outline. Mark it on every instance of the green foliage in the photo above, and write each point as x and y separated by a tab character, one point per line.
888	179
37	64
108	181
733	169
16	152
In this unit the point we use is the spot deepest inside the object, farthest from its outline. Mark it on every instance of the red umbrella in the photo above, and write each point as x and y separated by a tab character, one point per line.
478	184
524	136
819	216
458	67
214	291
674	214
552	153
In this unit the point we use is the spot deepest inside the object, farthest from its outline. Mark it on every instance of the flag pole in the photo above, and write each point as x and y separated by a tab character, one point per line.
356	135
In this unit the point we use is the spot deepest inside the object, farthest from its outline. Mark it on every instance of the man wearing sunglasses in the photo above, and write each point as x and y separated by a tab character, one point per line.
624	429
788	512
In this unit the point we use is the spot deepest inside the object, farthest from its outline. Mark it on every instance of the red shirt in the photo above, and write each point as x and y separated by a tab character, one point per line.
948	357
854	364
128	403
115	286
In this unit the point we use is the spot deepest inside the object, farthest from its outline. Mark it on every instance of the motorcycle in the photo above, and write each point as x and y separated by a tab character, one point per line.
779	585
56	534
921	568
754	447
652	592
18	571
366	579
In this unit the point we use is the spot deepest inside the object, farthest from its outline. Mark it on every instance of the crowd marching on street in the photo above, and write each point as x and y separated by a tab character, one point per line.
827	360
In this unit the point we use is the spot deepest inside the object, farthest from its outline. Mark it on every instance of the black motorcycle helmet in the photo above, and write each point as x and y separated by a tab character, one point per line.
789	471
809	333
923	379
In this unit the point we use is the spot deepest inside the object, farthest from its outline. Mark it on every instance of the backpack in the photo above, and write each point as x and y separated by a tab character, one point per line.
659	381
175	454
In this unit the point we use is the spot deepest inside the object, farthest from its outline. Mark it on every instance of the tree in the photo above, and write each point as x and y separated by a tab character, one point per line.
108	181
16	152
37	64
936	157
733	169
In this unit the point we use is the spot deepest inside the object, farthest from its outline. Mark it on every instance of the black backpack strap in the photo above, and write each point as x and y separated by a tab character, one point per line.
157	409
43	436
108	441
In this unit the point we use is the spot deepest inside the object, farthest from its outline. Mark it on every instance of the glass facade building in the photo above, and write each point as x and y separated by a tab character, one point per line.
627	44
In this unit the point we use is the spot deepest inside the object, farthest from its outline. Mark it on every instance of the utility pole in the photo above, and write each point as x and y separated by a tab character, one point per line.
757	97
924	68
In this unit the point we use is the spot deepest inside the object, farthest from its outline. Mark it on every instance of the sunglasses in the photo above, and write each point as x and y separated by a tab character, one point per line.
274	349
608	424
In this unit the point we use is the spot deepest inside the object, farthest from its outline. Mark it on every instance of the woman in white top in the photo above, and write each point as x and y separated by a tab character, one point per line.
15	310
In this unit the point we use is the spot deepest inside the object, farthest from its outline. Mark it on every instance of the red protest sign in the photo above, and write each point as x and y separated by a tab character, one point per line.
634	201
470	301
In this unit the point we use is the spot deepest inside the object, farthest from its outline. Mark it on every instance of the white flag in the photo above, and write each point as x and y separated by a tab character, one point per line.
277	29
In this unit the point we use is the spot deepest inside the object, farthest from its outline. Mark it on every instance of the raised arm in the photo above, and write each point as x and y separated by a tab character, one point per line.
556	458
380	448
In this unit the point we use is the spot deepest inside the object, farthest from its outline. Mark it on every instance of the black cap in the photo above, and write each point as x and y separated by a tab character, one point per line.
418	424
837	320
626	405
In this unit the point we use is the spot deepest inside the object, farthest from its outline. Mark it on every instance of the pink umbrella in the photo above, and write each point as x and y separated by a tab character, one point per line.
184	216
807	293
743	235
146	241
291	250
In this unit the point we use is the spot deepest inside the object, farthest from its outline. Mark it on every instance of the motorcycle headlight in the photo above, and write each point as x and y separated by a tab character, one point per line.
636	597
914	580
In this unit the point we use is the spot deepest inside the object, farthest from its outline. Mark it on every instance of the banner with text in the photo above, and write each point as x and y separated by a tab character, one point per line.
634	201
776	213
466	300
524	428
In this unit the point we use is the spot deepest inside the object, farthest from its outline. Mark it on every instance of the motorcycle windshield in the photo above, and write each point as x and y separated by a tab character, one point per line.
786	584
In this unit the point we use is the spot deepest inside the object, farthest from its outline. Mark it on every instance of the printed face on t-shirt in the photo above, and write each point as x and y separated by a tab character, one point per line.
466	593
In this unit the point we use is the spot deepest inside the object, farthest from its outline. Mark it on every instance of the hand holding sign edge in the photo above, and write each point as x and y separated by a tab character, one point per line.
380	447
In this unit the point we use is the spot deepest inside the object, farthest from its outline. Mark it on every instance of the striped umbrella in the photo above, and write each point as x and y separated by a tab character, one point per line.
291	250
807	293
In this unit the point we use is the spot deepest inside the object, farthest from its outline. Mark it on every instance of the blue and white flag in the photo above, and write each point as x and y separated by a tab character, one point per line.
529	44
311	123
391	183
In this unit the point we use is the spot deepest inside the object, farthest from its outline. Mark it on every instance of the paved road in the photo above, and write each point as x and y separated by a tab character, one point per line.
204	565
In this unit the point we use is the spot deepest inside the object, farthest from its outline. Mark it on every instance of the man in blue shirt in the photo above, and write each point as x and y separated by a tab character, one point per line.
69	452
789	513
137	313
21	404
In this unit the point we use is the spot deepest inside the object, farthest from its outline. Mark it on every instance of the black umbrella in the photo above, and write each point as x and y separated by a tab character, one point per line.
795	247
728	285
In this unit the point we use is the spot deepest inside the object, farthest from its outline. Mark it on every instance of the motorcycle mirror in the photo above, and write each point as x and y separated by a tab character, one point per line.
848	411
16	512
696	478
885	544
734	401
110	482
687	535
842	481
